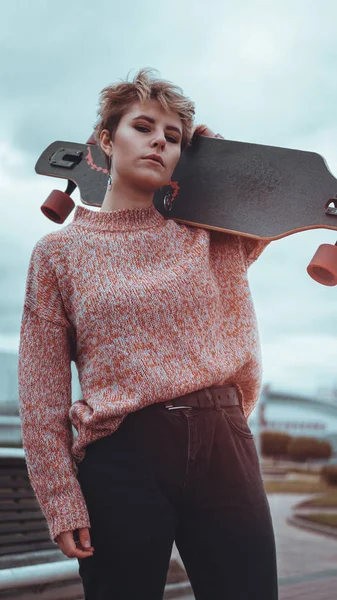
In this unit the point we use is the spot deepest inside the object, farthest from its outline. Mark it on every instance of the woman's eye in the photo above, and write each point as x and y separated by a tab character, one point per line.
142	128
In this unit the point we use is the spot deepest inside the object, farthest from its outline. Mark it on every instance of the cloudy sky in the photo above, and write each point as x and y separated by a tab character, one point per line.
261	72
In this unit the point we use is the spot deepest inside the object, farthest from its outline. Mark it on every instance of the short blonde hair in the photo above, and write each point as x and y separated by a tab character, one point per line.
116	99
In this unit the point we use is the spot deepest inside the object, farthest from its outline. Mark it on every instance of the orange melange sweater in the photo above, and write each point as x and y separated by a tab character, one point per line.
149	310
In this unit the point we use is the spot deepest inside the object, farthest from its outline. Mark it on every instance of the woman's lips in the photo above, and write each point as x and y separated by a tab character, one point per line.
153	160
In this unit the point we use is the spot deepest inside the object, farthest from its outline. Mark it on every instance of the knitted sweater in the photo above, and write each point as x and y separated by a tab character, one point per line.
149	310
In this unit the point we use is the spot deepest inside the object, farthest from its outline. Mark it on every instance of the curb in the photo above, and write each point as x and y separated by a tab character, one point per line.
314	527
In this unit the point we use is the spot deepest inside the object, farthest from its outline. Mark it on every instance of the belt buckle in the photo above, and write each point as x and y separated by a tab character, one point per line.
169	405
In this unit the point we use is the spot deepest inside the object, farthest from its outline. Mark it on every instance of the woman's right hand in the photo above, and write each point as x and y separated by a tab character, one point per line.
65	541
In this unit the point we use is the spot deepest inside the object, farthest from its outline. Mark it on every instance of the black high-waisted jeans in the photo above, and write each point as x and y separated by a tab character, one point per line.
189	475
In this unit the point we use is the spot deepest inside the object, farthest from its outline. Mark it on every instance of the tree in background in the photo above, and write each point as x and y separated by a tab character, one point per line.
304	448
275	444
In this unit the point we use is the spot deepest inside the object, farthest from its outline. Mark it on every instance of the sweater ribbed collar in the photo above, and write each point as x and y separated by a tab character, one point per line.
123	219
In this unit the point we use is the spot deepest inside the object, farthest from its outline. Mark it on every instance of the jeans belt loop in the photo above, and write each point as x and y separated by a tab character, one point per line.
214	398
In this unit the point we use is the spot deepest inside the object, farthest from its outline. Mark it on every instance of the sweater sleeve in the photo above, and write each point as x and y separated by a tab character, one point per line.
251	249
44	382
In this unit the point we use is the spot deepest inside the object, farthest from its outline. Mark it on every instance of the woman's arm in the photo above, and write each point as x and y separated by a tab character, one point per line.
44	379
251	249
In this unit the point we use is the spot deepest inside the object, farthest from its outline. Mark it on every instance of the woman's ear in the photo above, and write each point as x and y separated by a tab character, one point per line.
105	142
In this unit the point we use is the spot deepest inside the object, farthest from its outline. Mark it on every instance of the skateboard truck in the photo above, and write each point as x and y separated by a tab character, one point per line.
58	206
66	158
331	210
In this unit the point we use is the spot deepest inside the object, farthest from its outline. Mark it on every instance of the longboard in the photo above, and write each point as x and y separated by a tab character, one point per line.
254	190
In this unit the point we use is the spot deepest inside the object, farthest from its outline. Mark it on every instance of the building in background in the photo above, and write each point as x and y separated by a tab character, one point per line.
296	415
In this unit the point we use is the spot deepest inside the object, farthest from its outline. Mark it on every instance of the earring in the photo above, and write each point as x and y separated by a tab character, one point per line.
110	176
168	201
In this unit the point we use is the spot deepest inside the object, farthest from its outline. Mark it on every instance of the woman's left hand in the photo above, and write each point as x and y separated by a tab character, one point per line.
206	131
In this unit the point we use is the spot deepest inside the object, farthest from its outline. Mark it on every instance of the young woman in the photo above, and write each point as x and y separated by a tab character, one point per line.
159	320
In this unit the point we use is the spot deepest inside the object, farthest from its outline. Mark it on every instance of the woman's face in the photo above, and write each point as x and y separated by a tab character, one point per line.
145	129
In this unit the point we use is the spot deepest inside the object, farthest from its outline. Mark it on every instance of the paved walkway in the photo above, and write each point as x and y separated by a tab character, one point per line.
307	562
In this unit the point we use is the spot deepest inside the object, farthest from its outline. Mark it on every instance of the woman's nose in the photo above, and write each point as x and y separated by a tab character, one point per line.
159	139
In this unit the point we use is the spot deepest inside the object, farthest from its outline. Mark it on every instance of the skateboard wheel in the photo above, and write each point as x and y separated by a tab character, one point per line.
323	266
91	140
58	206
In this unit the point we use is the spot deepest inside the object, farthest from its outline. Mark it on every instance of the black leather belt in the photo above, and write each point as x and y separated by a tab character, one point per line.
205	398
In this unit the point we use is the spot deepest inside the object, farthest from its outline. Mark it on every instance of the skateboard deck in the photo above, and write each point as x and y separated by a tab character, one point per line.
259	191
254	190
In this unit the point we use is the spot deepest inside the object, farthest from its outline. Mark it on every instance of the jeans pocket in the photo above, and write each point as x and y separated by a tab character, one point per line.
237	421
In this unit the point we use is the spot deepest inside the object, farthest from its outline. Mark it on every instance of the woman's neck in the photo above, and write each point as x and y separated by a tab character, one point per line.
121	197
